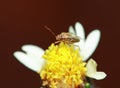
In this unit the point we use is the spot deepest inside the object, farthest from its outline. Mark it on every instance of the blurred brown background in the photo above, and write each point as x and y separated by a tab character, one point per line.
22	22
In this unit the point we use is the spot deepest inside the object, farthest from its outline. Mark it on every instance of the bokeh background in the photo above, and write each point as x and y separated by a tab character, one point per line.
22	22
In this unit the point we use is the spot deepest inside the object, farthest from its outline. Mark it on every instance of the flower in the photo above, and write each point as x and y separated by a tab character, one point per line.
64	65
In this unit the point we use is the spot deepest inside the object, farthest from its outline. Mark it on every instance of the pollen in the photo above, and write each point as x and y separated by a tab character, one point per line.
64	67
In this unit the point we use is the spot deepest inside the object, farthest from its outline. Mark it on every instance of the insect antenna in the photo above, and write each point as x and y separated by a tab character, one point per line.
50	31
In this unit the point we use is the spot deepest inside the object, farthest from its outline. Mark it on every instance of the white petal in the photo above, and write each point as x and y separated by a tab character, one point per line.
79	30
81	33
30	62
98	75
90	44
92	70
33	50
71	30
91	66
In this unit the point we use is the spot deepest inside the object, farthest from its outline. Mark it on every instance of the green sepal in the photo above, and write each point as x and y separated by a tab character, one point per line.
87	85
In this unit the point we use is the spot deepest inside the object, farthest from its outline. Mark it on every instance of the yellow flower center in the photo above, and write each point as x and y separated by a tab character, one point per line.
64	67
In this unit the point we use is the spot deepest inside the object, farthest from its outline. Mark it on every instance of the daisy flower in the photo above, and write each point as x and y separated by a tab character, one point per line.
63	65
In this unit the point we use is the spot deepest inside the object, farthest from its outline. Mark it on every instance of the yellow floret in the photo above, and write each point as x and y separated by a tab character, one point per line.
64	66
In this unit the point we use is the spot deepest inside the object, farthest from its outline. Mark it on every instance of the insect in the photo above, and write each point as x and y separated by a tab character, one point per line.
65	37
